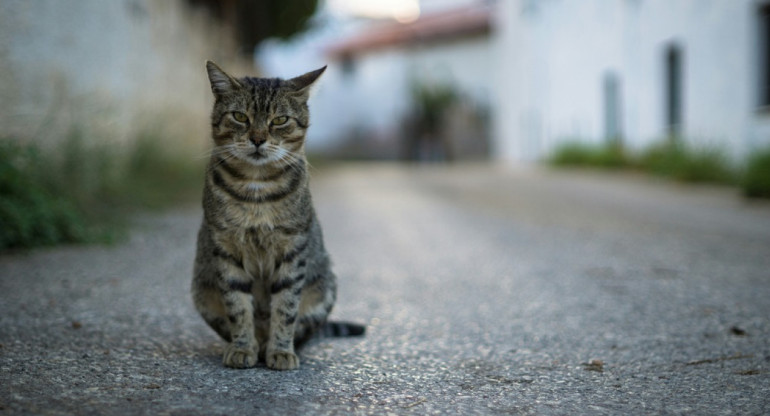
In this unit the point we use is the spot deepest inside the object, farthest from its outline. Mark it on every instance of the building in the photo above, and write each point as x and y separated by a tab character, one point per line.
106	69
638	71
380	73
367	97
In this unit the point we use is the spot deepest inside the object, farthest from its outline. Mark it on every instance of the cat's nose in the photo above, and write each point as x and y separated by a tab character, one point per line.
258	141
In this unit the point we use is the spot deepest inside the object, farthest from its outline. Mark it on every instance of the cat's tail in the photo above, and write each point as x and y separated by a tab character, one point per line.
341	329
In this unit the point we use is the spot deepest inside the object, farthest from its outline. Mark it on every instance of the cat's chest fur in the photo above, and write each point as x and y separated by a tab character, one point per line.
248	231
259	247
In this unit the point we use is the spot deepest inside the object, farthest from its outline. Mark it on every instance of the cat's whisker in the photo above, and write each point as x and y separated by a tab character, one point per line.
290	157
309	166
213	166
293	161
215	151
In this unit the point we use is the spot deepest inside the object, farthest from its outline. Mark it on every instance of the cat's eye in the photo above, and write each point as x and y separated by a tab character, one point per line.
278	121
240	117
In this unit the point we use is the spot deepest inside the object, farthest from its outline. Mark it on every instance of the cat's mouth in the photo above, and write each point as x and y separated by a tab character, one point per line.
259	156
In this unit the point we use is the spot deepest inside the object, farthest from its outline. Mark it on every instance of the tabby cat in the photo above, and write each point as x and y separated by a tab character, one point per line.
262	278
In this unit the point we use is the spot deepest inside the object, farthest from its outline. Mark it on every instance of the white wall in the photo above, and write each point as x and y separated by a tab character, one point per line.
553	57
114	64
367	99
376	95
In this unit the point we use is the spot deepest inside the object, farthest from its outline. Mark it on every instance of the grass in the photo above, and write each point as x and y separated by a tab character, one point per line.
579	154
158	175
81	191
679	161
31	212
674	159
756	178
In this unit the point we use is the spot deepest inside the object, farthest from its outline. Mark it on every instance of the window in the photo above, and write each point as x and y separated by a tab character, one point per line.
673	89
764	55
348	65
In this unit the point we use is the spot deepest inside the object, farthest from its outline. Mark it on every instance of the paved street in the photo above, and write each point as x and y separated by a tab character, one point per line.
486	290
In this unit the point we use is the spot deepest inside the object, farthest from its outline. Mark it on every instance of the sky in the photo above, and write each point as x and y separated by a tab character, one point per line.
402	10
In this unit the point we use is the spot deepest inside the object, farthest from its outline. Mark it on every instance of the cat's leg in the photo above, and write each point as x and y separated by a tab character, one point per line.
207	296
262	326
286	293
237	301
208	302
318	299
221	292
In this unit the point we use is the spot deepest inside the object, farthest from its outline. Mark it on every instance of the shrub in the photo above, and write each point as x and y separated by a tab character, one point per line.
158	174
670	158
609	155
756	179
30	213
80	190
675	159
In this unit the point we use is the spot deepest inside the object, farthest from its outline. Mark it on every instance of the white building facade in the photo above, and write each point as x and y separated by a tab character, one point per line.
637	71
367	89
372	84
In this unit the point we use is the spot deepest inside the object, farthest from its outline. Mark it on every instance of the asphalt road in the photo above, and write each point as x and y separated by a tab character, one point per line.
485	290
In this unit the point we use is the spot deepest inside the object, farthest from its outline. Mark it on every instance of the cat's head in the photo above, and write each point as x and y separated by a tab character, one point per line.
260	120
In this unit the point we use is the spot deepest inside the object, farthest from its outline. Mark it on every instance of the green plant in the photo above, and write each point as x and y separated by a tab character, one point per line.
426	135
158	173
610	155
431	103
756	179
81	169
79	190
31	213
675	159
671	158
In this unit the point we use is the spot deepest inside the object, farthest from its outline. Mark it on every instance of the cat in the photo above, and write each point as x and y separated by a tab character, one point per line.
262	278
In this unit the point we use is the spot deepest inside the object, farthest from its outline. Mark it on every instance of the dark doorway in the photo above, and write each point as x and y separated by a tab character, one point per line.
764	56
673	89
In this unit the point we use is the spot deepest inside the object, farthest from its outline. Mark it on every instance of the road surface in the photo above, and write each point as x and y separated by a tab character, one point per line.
486	290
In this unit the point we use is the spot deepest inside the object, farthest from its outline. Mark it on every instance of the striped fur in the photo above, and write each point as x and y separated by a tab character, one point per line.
262	278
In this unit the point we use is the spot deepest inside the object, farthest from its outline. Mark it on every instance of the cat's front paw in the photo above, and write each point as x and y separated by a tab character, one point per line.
238	355
282	360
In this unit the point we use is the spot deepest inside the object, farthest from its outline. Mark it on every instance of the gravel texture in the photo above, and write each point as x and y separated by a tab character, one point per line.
486	290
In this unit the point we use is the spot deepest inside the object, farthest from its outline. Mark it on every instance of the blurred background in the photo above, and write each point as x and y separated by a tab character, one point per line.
104	104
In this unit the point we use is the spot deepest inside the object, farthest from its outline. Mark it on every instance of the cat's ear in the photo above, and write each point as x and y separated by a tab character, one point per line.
221	83
301	84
